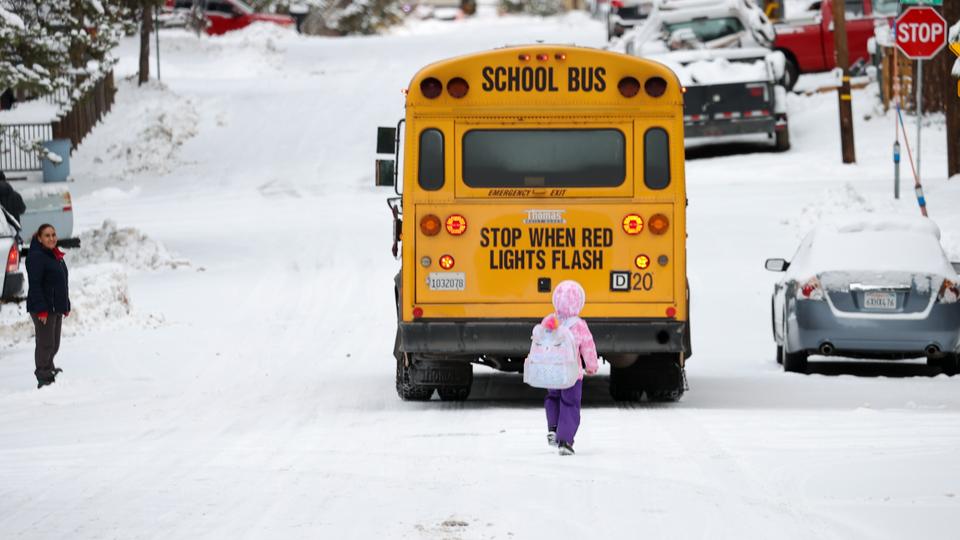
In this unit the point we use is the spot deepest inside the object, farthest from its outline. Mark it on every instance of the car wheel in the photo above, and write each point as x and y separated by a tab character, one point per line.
790	74
782	139
793	362
950	364
780	354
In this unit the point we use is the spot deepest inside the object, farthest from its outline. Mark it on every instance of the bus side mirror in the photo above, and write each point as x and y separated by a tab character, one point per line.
385	169
386	140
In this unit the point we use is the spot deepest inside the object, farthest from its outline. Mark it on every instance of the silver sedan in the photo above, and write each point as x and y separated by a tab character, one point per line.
868	287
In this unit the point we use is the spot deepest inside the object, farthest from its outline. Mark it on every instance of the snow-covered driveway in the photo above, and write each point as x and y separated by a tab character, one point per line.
249	393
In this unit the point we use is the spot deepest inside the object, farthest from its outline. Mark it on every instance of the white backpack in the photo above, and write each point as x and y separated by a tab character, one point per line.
554	359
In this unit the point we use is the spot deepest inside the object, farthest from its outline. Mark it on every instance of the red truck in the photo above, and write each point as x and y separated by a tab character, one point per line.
808	44
222	16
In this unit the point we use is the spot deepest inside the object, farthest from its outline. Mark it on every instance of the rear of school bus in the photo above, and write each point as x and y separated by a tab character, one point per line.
524	167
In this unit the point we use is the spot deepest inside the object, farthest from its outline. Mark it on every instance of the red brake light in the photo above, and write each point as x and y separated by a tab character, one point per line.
756	91
617	4
632	224
417	312
13	259
810	290
431	87
446	262
655	86
456	224
642	262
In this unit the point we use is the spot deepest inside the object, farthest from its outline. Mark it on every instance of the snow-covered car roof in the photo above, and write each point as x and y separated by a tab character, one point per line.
872	243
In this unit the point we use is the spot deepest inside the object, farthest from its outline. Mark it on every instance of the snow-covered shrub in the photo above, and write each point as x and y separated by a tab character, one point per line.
532	7
345	17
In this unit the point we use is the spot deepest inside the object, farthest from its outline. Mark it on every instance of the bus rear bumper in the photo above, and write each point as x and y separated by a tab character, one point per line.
512	338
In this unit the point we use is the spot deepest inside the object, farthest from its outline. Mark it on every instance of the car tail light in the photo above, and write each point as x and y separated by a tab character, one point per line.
628	87
632	224
642	262
446	262
13	259
456	224
430	225
658	224
655	86
811	290
756	91
616	4
457	87
431	87
949	292
67	202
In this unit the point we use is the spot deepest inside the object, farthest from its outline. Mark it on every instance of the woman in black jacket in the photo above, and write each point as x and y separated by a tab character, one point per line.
48	299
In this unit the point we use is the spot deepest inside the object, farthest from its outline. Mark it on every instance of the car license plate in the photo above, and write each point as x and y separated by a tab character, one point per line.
880	300
446	281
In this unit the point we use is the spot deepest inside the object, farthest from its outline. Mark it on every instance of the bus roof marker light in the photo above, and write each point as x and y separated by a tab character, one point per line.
431	87
456	224
457	87
543	57
628	87
658	224
523	57
632	224
560	56
655	86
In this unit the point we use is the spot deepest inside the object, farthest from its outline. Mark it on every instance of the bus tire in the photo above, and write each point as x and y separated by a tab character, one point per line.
667	381
407	390
625	383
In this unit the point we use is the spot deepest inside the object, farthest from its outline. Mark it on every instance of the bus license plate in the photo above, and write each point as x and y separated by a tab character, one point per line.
446	281
880	300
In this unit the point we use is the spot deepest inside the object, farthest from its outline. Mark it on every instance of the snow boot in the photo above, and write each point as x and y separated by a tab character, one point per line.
552	438
566	449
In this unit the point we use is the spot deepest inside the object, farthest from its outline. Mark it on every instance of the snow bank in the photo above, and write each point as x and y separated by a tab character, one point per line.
166	121
721	71
127	246
35	111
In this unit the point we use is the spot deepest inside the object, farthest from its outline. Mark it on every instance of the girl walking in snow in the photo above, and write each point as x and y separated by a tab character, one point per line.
48	299
563	406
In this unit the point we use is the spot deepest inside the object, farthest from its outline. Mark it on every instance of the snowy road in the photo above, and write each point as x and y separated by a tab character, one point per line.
250	393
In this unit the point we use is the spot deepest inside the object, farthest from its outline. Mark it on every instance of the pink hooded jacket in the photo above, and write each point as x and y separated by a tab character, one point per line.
568	300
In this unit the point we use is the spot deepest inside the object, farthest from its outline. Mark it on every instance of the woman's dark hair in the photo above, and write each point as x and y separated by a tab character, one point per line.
42	228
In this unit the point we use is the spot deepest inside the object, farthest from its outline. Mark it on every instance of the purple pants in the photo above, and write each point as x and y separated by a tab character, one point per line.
563	411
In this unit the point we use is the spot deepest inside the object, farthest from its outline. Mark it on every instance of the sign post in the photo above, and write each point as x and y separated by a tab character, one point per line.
921	33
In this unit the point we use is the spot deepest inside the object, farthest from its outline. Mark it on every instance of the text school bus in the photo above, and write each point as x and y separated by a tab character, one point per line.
523	167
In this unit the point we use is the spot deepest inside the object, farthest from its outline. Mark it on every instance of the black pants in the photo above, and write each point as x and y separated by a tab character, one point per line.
48	343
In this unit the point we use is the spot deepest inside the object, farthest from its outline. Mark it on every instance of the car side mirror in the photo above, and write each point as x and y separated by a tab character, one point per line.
386	140
385	171
956	267
776	265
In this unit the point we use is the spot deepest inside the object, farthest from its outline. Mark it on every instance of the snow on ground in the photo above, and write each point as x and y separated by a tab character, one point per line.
261	402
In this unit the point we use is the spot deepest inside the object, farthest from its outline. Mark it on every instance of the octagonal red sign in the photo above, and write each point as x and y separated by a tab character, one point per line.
921	32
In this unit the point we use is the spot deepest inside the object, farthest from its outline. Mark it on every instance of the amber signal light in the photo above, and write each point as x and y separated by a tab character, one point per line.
628	87
658	224
457	87
430	225
642	262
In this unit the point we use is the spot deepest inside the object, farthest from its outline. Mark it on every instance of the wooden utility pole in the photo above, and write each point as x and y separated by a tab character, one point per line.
146	27
843	62
951	12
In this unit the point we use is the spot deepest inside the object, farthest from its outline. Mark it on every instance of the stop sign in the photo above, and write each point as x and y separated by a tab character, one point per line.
921	33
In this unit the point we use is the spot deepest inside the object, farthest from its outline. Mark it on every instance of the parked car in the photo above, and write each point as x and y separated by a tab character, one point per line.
221	16
11	288
625	14
868	287
808	43
721	52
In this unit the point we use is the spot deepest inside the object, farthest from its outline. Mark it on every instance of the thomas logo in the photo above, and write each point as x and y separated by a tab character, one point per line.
541	217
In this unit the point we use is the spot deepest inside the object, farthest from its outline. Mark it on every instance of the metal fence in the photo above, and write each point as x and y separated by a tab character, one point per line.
13	139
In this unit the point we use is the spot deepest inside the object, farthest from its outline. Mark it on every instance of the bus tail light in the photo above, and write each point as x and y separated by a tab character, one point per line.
658	224
655	86
457	87
13	259
811	290
417	312
431	87
642	262
632	224
430	225
447	262
949	292
628	87
671	312
456	224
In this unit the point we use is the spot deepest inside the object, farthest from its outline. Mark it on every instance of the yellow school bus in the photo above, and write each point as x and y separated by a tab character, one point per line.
522	167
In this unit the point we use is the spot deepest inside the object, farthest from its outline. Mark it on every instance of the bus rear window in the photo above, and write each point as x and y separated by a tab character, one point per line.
544	157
